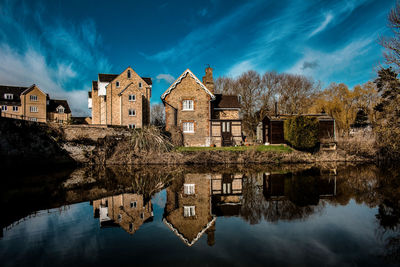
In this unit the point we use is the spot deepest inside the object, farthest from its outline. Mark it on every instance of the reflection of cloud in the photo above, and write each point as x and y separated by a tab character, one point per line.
166	77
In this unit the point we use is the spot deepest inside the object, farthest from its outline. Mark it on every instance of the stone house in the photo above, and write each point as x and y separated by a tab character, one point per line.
128	211
121	99
31	103
203	117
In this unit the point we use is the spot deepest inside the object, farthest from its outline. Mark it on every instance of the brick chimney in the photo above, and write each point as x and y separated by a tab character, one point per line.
208	80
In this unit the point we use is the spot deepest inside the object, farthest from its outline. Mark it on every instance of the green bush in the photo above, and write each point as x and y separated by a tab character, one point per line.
302	132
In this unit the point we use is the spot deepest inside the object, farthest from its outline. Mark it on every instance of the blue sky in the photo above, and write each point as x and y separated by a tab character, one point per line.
62	45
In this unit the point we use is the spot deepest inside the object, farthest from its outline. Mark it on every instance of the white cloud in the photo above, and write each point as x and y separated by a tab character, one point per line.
166	77
239	68
324	24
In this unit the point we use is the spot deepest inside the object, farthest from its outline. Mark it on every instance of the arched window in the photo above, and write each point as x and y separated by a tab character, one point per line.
129	74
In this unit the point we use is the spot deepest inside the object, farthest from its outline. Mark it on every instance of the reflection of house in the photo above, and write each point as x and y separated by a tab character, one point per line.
273	130
204	118
226	192
128	211
188	208
31	103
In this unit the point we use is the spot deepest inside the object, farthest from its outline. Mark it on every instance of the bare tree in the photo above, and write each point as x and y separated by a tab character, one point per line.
392	44
295	92
157	115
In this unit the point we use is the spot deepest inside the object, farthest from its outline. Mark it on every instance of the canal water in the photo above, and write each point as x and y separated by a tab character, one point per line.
240	216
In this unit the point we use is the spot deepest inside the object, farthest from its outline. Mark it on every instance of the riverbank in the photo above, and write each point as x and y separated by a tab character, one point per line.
24	142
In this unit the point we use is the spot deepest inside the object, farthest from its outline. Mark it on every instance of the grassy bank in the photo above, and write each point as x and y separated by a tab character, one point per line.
259	148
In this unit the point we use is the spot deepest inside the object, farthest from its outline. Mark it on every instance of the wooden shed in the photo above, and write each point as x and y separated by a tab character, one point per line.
273	129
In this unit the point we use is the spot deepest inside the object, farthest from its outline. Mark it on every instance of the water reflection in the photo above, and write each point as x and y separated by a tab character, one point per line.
200	202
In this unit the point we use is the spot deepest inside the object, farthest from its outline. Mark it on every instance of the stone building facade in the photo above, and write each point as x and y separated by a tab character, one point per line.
203	117
31	103
121	99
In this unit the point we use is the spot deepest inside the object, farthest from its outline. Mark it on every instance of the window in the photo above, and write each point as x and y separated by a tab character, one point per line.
33	119
226	188
60	110
130	227
132	97
119	217
4	108
133	204
188	189
15	108
33	97
189	211
188	127
187	105
140	85
8	96
33	109
131	126
129	74
117	84
132	112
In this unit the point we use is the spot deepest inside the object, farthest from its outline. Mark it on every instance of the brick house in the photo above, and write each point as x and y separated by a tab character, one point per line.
121	99
203	117
31	103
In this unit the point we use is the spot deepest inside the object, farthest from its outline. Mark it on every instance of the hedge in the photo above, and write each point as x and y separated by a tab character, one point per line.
302	132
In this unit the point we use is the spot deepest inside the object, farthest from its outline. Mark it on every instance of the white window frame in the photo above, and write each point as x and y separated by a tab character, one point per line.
187	104
33	98
132	112
133	204
132	98
15	108
189	189
117	84
61	110
189	211
120	217
4	108
132	126
8	96
33	119
188	127
33	109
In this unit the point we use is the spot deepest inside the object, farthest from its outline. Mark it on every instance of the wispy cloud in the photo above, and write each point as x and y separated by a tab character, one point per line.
60	57
324	24
166	77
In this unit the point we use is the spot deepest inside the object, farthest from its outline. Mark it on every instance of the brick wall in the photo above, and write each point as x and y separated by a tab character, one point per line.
76	132
40	104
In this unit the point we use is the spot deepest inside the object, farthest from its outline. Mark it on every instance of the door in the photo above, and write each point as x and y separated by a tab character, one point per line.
226	133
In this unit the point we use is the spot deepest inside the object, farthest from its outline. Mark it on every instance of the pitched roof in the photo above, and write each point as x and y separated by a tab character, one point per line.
226	101
30	88
94	85
16	91
107	77
55	103
183	75
147	80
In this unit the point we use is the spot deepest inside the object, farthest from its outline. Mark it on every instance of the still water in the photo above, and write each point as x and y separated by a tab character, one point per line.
241	216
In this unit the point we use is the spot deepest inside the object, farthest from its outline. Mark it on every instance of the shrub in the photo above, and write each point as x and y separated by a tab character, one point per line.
150	139
302	132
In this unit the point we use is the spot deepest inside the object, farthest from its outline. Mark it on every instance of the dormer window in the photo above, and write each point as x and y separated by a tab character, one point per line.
117	84
129	74
33	97
60	109
140	85
187	105
8	96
